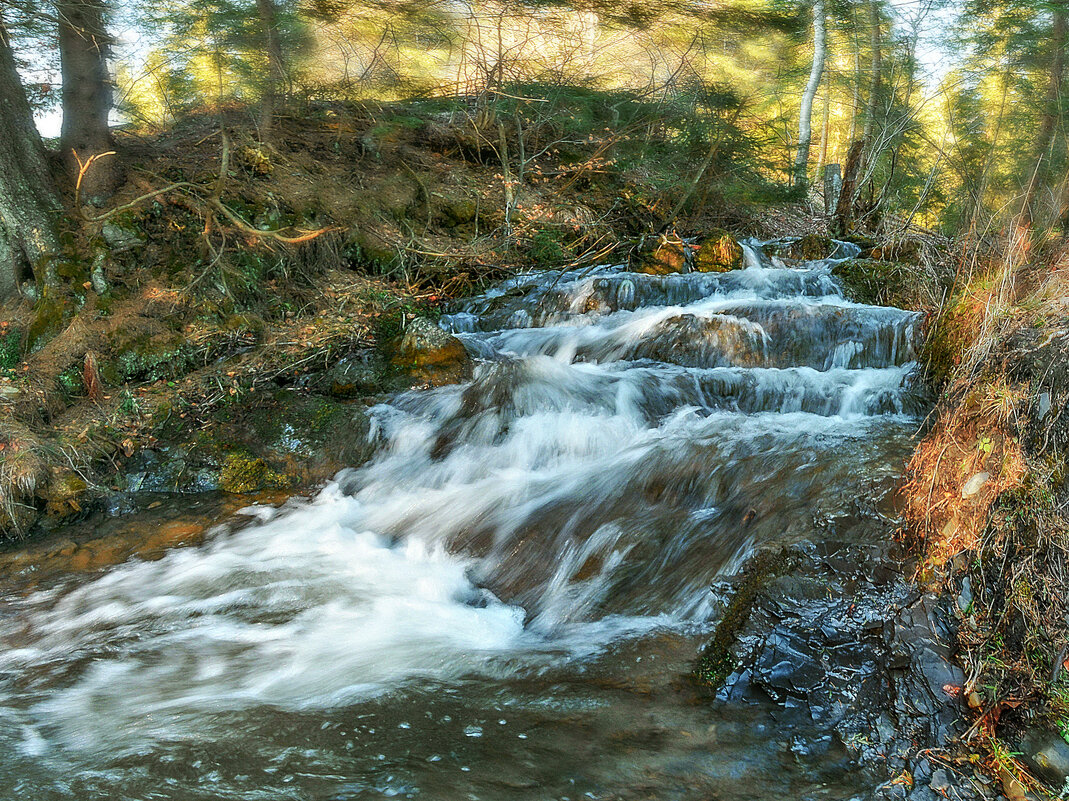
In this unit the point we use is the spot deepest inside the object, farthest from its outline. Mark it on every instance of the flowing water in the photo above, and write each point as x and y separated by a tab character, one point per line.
504	602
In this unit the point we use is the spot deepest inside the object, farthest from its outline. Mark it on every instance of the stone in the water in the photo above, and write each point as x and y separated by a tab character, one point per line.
974	484
669	256
432	356
719	254
811	247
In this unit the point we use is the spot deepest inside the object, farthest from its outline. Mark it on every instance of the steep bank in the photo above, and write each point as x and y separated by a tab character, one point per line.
987	502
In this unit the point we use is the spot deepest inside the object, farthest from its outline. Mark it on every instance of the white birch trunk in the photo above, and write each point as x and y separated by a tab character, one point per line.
805	118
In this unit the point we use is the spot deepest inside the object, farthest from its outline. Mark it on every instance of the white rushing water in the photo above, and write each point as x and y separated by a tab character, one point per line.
626	438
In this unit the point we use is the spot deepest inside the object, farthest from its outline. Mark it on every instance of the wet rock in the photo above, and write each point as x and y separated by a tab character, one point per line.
430	355
1047	755
811	247
719	253
243	474
171	469
354	376
863	655
965	597
664	257
64	494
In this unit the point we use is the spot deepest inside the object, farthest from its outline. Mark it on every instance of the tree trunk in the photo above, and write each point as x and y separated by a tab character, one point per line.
874	81
276	65
87	95
825	125
805	118
844	209
1051	110
29	203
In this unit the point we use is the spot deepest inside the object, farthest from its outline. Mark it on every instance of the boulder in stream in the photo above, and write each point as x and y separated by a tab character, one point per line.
718	254
429	355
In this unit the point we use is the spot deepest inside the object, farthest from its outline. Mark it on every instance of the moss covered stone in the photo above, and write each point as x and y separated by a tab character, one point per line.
430	355
48	319
716	660
811	247
157	358
64	494
719	253
243	474
667	257
876	282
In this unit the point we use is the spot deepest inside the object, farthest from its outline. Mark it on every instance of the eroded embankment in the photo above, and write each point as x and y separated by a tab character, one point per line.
986	502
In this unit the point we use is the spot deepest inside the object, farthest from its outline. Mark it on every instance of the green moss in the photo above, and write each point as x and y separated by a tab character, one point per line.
243	474
159	358
811	247
546	249
876	282
71	383
719	253
47	319
716	662
10	352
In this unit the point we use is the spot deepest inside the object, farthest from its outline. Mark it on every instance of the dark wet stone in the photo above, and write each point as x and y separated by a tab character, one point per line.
865	656
1047	756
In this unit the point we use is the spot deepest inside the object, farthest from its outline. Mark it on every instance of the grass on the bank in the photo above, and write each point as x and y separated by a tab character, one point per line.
1000	351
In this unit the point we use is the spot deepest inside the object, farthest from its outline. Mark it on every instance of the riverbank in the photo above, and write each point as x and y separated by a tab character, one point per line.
987	504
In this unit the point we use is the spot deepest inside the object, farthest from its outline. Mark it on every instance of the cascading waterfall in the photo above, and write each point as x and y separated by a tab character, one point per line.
627	439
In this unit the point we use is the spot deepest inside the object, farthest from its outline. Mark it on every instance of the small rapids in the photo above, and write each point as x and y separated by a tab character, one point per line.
498	604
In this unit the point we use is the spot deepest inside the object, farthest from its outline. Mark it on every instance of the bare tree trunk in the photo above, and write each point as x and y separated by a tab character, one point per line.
87	95
276	66
29	204
805	118
875	79
1051	110
844	210
856	110
824	132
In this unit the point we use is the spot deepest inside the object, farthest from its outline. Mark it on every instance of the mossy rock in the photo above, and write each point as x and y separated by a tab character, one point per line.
716	660
666	258
154	358
811	247
48	318
429	355
64	494
243	474
455	210
876	282
718	254
370	249
908	251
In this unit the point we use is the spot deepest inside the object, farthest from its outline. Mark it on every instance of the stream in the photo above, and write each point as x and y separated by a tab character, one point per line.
505	603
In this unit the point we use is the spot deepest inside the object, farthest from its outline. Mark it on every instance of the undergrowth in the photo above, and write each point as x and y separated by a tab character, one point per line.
987	495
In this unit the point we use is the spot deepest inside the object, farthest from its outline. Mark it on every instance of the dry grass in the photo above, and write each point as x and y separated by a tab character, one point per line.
975	439
1000	346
